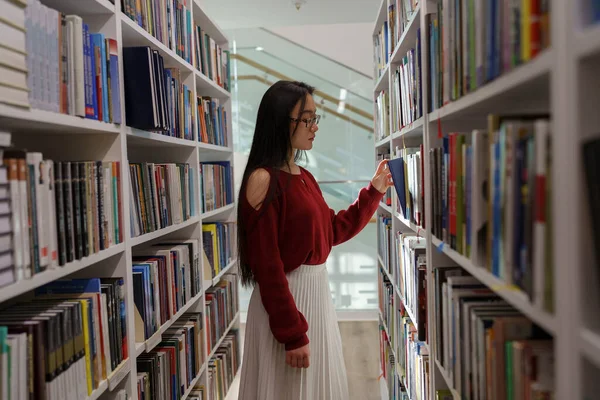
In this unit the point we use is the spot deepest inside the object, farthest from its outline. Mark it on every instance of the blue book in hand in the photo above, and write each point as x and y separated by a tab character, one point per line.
396	167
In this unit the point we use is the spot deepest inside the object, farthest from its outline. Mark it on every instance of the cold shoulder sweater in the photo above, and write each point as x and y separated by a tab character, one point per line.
297	227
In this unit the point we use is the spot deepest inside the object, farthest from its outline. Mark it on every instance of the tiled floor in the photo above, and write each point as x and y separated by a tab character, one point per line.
361	354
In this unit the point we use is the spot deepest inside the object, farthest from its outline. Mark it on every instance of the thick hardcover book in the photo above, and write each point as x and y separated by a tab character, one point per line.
140	88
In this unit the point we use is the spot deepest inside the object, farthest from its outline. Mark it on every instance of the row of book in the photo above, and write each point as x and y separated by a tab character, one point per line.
169	369
169	21
212	121
54	213
409	271
223	366
492	200
14	44
487	348
407	168
218	241
405	358
166	277
211	59
472	43
384	249
382	116
400	14
407	82
216	183
381	54
222	306
70	70
64	341
161	195
156	99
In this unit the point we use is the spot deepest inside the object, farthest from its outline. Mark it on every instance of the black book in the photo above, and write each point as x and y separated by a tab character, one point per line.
591	165
141	105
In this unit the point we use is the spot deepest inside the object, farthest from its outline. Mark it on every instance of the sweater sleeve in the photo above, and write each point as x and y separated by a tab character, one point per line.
348	223
287	324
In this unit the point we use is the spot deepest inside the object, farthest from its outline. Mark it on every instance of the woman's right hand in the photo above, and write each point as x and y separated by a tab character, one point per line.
298	358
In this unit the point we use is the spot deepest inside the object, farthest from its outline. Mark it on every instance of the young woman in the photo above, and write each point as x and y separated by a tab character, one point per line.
293	348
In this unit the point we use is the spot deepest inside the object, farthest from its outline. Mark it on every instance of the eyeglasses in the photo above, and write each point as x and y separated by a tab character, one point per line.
309	122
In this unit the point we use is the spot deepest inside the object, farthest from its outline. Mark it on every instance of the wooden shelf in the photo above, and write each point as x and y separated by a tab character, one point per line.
527	83
208	283
587	43
218	211
444	374
511	294
152	139
385	207
156	338
413	129
150	236
383	81
26	285
590	345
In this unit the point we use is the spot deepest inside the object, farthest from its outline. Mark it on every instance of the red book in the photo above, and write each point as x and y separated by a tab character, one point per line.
535	27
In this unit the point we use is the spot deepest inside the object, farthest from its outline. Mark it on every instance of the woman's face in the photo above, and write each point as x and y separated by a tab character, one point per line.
303	127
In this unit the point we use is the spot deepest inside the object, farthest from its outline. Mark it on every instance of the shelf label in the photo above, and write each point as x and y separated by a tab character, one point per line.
440	248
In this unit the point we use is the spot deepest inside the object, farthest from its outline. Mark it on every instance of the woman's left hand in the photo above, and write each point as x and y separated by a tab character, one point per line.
382	179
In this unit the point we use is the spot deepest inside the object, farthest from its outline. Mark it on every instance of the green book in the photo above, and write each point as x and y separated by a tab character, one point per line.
443	395
509	370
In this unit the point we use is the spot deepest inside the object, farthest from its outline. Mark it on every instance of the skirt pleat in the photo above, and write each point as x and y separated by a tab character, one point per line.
266	376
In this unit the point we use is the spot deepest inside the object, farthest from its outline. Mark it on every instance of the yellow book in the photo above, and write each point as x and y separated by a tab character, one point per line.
88	352
525	30
212	228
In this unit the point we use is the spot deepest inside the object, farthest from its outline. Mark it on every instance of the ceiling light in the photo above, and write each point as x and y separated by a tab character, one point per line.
258	48
298	3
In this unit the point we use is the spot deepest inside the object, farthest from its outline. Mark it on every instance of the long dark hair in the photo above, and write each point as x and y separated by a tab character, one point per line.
271	148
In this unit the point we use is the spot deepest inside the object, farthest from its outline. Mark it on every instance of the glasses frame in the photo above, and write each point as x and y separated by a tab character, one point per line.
308	121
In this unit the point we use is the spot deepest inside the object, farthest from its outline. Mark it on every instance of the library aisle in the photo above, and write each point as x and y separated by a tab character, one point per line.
118	277
489	241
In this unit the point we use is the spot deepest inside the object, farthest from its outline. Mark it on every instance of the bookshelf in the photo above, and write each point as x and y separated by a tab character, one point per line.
65	137
556	82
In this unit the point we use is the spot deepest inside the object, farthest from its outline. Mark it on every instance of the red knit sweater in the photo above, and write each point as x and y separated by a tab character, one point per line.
297	228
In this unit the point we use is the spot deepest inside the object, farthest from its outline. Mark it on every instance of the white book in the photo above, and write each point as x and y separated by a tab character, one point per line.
41	191
54	20
15	60
77	65
105	334
50	228
22	201
70	32
542	148
479	204
108	205
45	55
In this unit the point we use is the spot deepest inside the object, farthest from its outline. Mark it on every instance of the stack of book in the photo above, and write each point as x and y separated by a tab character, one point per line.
216	182
161	195
212	122
407	88
169	369
166	277
382	118
381	41
413	361
410	274
169	21
211	59
384	227
486	347
471	46
156	99
218	241
223	366
407	172
14	45
71	70
492	201
400	14
54	213
65	341
221	308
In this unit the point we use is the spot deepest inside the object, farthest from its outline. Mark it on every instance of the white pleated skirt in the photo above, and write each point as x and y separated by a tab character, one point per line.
266	376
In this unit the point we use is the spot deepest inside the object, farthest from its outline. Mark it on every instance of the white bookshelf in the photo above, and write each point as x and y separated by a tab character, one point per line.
67	137
562	81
